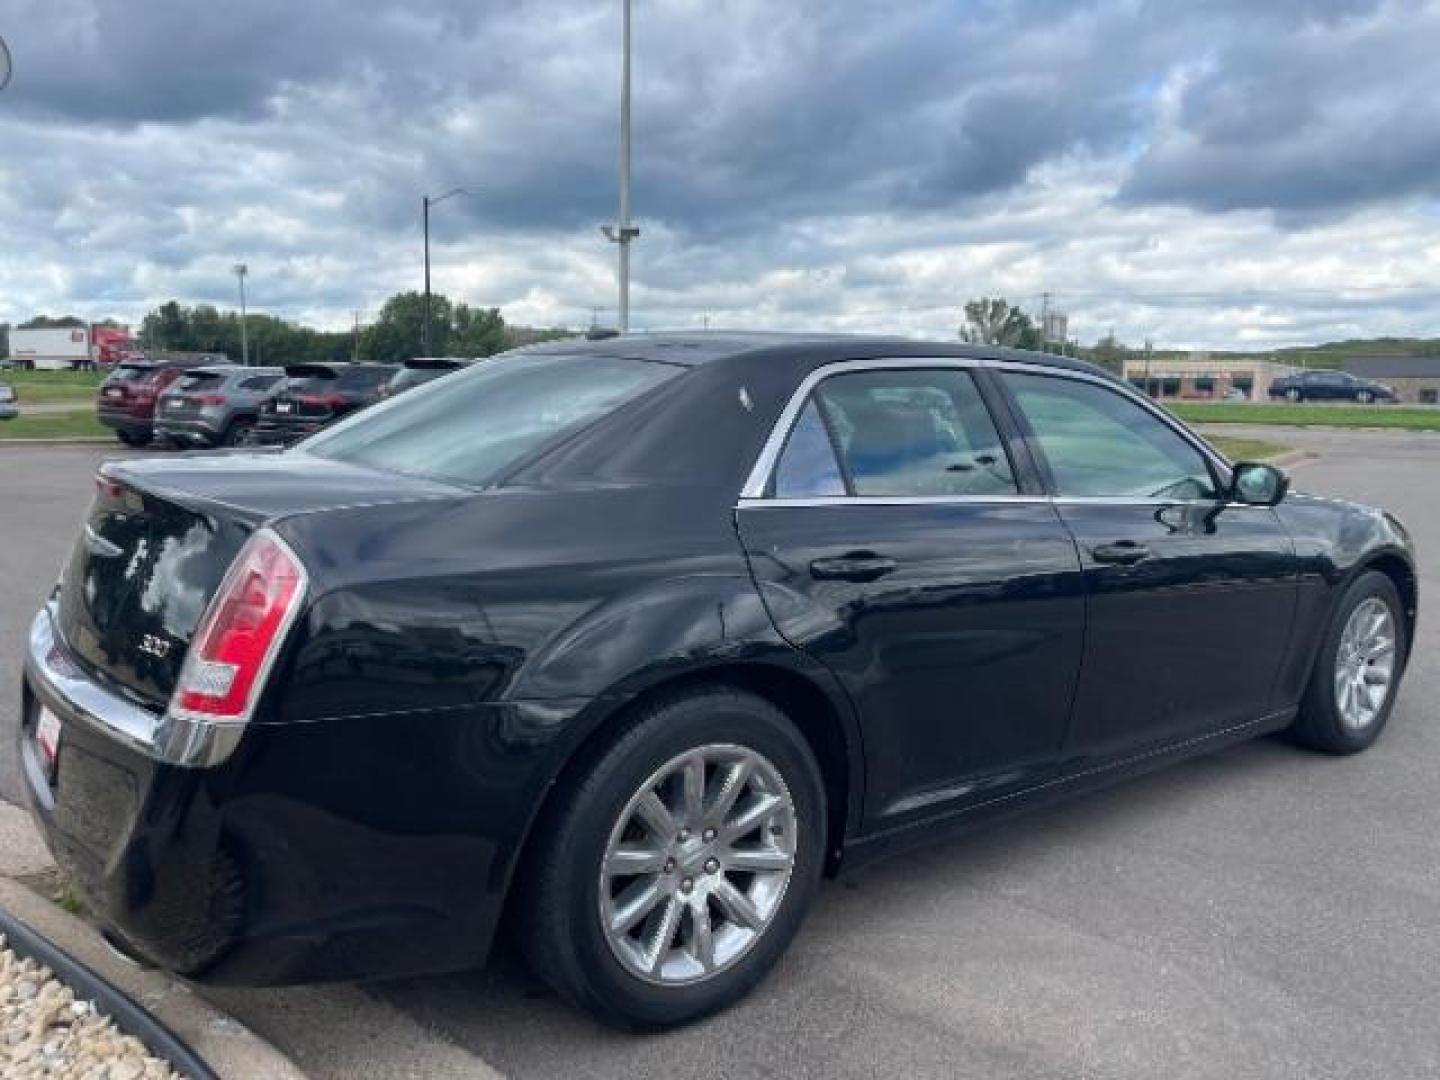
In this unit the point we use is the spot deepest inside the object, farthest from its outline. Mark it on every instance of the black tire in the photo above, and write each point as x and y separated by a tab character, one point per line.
560	927
238	433
1319	725
133	438
1294	396
1364	397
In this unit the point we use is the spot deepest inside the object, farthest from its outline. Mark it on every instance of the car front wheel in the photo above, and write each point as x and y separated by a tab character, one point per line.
679	868
1365	397
1294	395
1357	671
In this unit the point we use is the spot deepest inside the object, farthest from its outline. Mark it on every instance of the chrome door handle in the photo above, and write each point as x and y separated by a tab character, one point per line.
856	566
1120	553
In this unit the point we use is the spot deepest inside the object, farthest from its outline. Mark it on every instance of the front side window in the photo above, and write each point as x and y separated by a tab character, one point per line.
1100	443
470	427
923	433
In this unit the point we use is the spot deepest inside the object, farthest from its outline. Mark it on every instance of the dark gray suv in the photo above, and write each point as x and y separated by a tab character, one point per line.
214	406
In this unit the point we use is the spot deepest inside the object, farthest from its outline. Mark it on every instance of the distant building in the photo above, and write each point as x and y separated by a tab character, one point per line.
1200	376
1416	379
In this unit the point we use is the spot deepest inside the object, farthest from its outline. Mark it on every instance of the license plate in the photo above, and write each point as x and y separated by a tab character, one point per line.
283	406
114	392
172	403
47	737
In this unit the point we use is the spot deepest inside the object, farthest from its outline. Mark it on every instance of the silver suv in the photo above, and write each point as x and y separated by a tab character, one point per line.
214	406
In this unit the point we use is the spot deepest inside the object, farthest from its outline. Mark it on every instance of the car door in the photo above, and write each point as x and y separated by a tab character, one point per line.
896	540
1190	596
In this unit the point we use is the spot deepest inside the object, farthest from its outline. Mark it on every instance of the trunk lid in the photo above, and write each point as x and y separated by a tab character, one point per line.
187	396
162	532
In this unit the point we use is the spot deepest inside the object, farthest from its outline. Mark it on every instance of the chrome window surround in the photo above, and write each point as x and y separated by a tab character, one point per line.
752	494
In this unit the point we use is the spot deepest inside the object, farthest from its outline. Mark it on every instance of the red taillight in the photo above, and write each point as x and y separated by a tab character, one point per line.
109	487
208	401
324	401
241	632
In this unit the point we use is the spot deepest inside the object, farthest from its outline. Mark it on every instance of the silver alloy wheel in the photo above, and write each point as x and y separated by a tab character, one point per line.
697	864
1365	663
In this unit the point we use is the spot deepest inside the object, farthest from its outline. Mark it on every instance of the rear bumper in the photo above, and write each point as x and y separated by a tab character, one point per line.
119	420
304	852
194	432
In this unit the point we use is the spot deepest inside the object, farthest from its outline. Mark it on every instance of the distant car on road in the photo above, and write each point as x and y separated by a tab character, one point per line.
421	370
214	406
316	395
126	399
1330	386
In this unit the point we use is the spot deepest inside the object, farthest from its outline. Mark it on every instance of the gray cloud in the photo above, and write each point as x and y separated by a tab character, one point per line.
815	160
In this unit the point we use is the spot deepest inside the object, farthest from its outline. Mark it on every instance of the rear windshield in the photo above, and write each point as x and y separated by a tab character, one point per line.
196	379
470	427
364	378
129	373
408	377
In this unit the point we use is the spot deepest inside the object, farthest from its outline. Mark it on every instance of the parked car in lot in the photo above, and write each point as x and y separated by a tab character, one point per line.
214	406
8	409
125	402
1330	386
521	644
313	396
420	371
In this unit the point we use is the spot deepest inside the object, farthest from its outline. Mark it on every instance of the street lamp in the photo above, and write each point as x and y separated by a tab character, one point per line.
623	232
240	271
427	201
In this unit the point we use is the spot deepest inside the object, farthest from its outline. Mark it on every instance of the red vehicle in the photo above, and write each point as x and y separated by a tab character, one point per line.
126	401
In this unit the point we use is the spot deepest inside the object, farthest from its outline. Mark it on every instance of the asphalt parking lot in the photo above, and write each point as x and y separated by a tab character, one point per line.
1260	913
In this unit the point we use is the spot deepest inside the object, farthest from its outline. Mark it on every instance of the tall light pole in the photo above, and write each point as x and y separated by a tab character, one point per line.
240	271
427	201
623	233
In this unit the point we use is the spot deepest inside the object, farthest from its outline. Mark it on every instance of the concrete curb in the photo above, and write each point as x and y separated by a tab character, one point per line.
62	440
228	1046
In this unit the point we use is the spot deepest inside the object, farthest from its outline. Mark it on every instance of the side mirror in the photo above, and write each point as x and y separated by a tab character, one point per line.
1256	484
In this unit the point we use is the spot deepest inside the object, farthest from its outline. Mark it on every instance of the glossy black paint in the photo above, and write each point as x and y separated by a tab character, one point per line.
461	649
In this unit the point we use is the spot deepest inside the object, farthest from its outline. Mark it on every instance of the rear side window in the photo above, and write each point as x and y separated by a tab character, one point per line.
128	373
364	378
260	382
923	433
470	427
807	466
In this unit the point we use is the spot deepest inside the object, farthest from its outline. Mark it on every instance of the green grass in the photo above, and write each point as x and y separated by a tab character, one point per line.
1379	416
1237	449
46	386
66	425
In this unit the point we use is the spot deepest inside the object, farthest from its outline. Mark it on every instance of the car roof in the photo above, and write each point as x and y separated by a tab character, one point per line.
696	348
236	369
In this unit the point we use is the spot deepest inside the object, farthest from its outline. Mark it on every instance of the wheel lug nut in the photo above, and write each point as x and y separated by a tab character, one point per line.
684	835
687	885
708	835
712	865
669	866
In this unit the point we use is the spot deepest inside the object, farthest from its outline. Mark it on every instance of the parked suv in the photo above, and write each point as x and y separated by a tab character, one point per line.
419	371
314	395
214	406
126	400
1330	386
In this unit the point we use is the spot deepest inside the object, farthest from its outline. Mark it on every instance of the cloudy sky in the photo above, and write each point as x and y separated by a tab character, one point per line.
1206	173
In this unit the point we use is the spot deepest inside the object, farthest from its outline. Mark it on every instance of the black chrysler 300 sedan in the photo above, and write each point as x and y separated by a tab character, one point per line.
626	643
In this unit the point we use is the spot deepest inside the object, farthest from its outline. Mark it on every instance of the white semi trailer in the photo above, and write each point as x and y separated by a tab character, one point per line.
50	350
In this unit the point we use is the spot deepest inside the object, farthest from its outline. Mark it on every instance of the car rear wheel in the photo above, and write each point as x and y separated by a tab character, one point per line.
1365	397
677	871
1357	671
238	433
133	438
1293	394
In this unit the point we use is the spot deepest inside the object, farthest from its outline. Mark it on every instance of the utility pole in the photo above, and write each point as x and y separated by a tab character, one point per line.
623	233
1044	320
240	271
1148	349
355	341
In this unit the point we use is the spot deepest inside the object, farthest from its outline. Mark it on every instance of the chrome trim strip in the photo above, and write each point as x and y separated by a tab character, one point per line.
895	500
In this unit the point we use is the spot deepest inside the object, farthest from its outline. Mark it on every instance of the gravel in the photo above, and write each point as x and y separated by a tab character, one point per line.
46	1032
